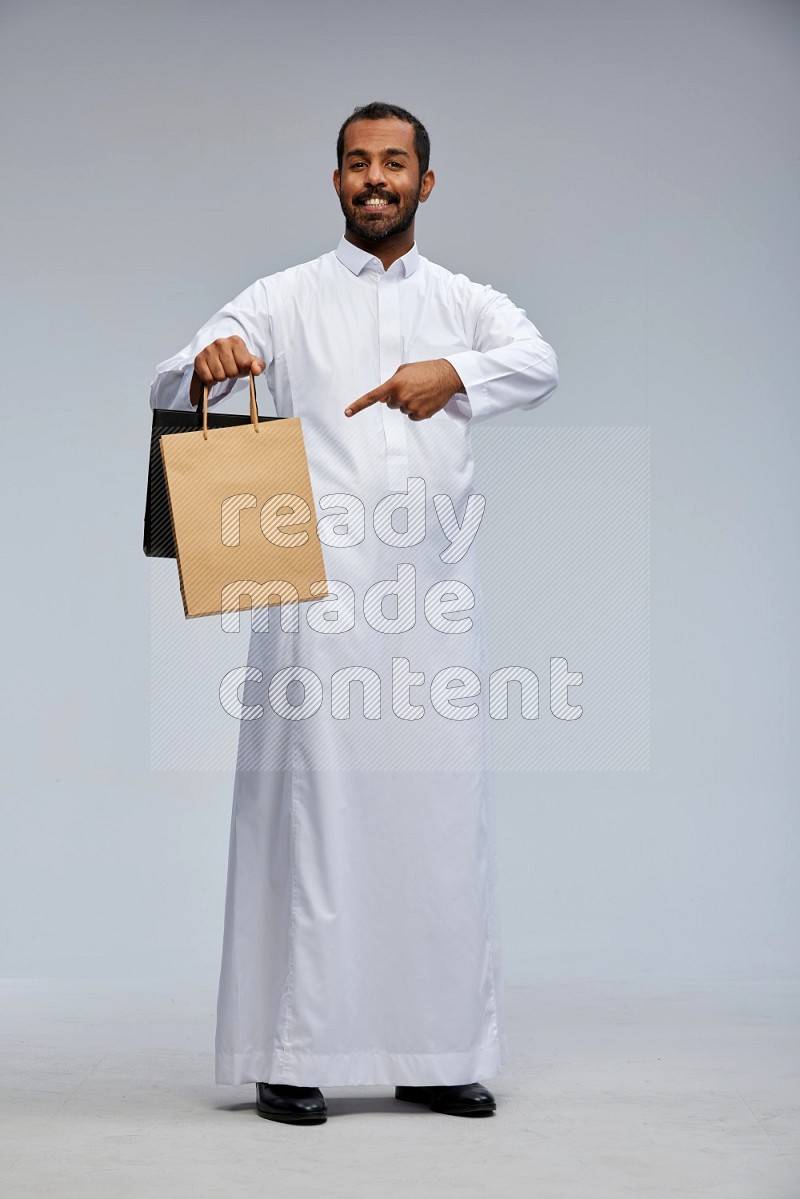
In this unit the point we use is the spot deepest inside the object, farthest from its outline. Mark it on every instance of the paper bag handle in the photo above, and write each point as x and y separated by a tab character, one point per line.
253	407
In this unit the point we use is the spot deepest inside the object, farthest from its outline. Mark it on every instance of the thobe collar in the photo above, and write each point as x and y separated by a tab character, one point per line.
356	259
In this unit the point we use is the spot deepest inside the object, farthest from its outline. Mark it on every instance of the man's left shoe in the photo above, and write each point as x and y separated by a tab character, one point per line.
468	1099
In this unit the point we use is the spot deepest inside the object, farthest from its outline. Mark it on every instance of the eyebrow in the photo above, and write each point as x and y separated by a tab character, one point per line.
365	153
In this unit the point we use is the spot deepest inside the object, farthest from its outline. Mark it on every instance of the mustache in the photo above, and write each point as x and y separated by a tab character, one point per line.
376	195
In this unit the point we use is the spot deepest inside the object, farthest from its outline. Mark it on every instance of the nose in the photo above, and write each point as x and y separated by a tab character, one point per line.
375	176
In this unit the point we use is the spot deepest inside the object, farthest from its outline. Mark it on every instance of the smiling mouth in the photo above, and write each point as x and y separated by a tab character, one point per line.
375	206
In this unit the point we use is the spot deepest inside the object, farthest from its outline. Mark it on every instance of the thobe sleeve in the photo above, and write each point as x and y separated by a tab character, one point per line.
509	366
247	316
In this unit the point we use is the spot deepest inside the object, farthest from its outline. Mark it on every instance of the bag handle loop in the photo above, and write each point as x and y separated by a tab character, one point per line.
253	407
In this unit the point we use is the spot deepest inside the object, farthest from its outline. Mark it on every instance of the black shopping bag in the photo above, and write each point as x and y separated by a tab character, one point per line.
159	540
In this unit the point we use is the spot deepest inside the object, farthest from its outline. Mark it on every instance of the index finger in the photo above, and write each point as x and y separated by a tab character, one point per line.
370	397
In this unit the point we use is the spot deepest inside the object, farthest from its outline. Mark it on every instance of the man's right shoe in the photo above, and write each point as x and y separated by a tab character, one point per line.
291	1105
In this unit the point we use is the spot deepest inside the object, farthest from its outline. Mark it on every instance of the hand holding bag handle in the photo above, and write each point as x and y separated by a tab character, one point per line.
253	406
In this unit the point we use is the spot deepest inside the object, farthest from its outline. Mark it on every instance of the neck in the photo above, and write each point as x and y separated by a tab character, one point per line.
389	249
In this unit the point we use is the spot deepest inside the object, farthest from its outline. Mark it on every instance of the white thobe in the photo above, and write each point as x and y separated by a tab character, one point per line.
362	941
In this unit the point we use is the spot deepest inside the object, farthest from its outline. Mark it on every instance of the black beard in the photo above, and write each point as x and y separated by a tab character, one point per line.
368	230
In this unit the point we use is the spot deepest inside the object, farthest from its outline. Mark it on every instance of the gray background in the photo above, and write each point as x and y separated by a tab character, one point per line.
627	172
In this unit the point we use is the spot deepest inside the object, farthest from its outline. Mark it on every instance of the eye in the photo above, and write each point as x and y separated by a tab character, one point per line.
395	164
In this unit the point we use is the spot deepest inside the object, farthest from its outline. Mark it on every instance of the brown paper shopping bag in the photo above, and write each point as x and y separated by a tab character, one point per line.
243	515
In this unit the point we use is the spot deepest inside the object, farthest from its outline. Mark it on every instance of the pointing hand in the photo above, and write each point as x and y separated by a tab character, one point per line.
417	388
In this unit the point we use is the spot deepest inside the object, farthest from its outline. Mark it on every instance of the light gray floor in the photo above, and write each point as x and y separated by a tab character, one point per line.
614	1089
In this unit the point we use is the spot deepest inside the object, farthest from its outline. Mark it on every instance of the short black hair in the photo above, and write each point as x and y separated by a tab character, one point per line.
376	111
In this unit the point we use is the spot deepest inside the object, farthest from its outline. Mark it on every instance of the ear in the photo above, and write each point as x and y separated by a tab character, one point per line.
426	186
337	181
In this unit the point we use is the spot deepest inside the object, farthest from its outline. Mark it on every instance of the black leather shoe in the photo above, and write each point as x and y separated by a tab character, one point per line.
291	1105
469	1099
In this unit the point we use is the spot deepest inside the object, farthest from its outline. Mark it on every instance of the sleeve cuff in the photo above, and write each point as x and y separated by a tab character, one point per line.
468	403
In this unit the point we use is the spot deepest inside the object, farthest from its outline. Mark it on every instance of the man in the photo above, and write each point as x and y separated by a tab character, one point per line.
361	941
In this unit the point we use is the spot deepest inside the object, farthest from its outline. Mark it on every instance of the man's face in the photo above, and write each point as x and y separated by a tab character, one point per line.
379	185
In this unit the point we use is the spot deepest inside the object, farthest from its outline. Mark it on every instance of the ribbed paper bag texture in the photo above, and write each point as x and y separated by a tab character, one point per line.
244	518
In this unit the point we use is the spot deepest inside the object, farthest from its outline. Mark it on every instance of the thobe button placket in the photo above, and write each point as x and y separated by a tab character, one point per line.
391	356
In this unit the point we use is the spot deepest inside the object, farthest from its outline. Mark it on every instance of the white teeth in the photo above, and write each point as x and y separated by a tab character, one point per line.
375	203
